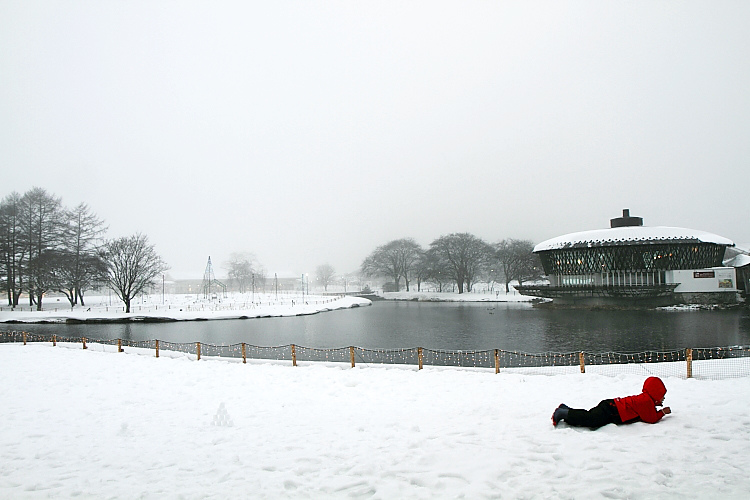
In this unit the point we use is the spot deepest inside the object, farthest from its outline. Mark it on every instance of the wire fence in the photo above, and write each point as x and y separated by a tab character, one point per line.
700	363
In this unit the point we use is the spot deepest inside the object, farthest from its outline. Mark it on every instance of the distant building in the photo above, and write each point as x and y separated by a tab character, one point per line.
630	264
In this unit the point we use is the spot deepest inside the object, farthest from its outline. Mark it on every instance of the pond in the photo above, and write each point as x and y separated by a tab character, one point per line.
447	326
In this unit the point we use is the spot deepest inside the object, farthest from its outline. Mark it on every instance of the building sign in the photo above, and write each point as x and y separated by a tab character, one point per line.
703	274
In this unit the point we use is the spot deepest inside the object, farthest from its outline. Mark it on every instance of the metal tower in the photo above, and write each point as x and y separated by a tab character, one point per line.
210	283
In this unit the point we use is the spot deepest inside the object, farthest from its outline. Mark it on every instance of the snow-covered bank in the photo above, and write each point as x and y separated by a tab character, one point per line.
482	296
183	308
144	427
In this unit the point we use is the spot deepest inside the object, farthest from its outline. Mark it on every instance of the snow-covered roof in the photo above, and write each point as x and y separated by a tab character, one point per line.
740	260
631	235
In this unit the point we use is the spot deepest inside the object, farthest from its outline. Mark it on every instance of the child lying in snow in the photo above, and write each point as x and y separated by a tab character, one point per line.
619	410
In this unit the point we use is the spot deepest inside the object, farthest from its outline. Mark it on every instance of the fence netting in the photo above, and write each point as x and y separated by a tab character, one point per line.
701	363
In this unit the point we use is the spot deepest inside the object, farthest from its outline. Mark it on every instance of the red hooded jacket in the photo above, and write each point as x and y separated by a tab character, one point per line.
643	406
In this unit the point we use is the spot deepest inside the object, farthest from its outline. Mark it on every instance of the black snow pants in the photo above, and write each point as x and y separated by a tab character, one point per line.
602	414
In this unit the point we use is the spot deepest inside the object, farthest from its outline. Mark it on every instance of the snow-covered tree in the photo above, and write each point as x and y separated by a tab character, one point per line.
132	266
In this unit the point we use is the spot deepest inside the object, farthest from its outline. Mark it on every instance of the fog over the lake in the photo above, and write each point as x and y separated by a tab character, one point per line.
312	132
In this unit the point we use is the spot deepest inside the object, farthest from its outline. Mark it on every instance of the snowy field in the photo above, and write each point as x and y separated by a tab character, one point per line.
181	307
96	424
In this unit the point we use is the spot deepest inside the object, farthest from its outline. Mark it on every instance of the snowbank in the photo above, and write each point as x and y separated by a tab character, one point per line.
102	425
183	308
483	296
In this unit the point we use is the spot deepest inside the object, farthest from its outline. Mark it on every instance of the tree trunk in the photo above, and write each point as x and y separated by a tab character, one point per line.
39	301
69	294
127	305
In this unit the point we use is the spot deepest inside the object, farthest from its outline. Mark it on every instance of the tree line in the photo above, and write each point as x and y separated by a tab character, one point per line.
46	247
458	258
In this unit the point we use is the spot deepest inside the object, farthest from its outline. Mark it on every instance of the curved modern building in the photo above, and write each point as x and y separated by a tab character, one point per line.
630	264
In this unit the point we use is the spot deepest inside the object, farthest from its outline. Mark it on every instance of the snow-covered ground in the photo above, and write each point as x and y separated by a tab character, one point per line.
186	307
97	424
182	307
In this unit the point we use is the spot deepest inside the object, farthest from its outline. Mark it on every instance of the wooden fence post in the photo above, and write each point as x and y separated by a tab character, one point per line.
497	363
84	343
419	355
24	338
119	345
294	356
351	355
581	362
157	348
198	350
689	360
244	353
54	340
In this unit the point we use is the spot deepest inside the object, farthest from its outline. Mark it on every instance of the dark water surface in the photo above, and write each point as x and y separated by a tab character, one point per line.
449	326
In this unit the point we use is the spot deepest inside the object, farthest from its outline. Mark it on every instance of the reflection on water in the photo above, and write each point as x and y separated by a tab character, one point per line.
449	326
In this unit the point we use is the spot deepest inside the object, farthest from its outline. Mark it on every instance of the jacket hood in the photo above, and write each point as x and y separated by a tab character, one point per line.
654	387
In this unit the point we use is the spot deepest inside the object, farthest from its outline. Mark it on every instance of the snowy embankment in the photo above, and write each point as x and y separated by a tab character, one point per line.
183	308
479	296
172	427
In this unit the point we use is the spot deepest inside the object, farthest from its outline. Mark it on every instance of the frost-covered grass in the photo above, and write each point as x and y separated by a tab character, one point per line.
96	424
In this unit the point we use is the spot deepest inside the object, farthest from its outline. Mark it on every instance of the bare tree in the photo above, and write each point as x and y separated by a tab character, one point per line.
132	266
395	259
43	228
461	256
240	270
430	269
48	272
324	274
518	261
83	268
410	254
43	245
80	273
260	277
12	248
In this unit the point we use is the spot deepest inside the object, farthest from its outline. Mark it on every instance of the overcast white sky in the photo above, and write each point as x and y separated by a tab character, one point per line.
312	132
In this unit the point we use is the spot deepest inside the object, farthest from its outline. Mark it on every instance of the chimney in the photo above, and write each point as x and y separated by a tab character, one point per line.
626	220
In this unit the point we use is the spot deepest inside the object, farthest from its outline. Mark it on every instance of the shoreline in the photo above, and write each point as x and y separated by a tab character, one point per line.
497	297
186	311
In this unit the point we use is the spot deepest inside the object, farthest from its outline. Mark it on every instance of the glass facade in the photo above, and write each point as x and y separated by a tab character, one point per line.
609	279
631	263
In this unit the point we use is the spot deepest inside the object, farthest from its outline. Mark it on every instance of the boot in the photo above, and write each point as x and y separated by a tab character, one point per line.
561	413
